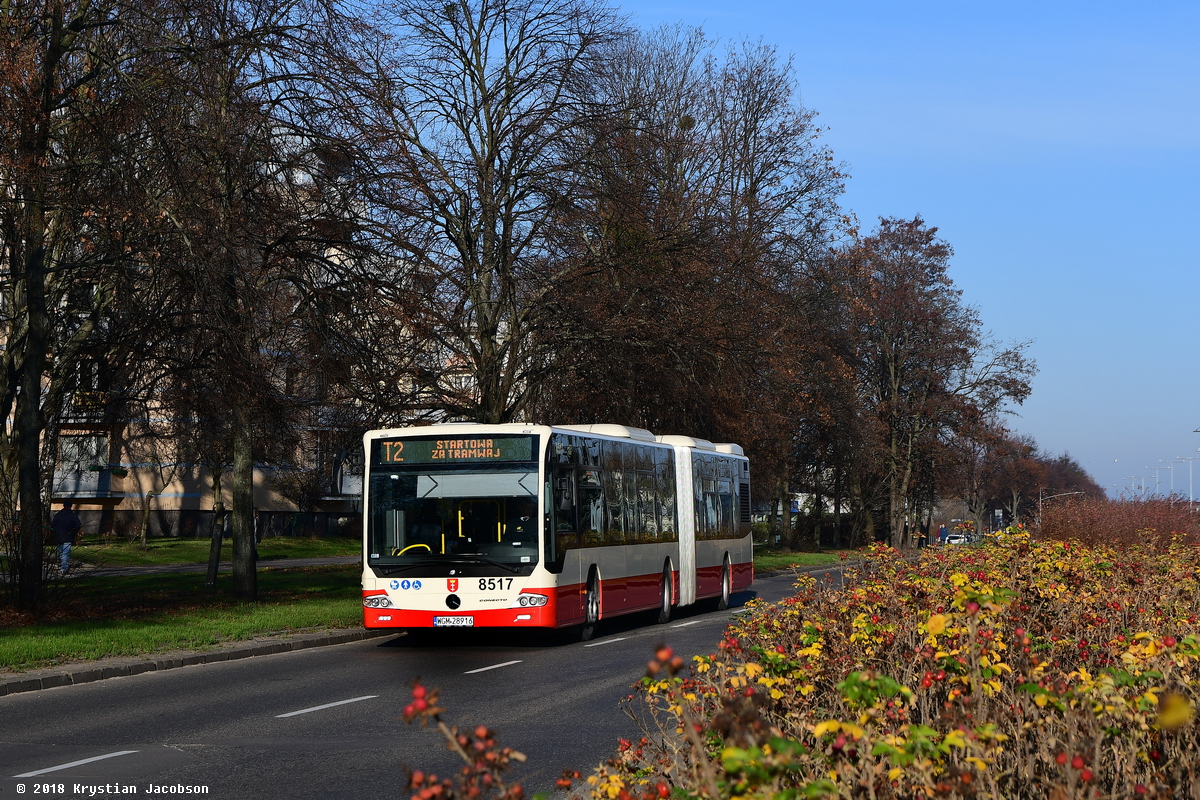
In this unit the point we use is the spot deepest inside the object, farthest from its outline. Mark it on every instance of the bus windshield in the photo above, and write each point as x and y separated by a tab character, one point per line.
469	510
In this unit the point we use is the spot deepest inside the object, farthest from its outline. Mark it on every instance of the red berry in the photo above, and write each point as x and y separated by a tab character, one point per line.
418	691
481	732
1169	641
1086	775
1060	759
1077	762
663	789
420	704
1139	789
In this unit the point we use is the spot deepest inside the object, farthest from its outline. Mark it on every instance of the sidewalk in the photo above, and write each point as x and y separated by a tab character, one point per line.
91	570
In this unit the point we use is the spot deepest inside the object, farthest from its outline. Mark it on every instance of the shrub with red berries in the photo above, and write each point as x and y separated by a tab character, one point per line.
484	761
1019	669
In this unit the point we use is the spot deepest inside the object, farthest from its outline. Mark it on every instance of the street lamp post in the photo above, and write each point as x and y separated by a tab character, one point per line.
1157	480
1191	495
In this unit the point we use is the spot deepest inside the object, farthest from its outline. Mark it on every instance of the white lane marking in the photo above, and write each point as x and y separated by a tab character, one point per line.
327	705
685	624
607	641
740	611
73	764
493	666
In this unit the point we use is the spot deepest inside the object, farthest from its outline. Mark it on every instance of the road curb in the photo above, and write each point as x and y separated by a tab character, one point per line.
88	672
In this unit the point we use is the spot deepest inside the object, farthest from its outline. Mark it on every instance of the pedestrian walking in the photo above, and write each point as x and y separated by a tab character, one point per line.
943	534
66	527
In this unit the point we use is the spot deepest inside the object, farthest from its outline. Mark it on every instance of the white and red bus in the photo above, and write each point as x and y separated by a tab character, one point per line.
514	525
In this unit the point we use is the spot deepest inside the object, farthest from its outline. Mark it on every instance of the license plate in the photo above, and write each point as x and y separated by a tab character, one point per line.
453	622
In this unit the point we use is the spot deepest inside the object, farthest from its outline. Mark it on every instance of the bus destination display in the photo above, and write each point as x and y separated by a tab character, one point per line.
461	449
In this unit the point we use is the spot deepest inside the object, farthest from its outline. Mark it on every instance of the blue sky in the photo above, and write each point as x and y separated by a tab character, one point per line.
1056	146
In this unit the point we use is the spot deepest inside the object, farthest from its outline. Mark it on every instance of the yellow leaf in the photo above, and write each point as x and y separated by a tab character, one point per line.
936	624
753	669
853	730
829	726
894	773
1174	711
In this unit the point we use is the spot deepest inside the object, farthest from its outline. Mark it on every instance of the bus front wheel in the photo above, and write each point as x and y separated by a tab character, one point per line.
591	609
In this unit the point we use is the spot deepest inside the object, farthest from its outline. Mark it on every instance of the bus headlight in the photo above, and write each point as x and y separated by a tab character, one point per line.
529	599
377	601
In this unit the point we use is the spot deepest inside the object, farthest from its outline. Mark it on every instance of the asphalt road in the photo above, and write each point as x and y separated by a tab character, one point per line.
325	722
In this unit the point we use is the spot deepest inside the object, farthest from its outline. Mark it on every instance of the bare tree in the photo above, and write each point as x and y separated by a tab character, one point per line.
72	225
261	252
466	109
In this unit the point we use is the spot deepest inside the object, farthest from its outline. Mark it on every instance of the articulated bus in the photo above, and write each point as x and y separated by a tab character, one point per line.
468	525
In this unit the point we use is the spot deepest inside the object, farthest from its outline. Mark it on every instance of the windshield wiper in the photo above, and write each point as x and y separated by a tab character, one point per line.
472	558
392	570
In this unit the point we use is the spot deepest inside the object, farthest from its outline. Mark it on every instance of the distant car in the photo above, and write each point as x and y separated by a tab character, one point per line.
956	538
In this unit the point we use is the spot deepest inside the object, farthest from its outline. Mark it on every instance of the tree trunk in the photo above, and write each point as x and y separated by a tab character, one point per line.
216	533
145	518
245	578
818	510
785	516
29	414
837	508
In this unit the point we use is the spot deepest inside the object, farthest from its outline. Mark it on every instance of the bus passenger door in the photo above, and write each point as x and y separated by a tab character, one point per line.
563	537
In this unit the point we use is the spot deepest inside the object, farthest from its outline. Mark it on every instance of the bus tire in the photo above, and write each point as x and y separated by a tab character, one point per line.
726	585
591	607
664	608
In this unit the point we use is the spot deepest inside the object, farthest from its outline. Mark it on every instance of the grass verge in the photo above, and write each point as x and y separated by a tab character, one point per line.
145	614
766	560
161	552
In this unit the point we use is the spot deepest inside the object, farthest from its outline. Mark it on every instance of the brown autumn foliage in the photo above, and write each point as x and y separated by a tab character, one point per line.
1128	520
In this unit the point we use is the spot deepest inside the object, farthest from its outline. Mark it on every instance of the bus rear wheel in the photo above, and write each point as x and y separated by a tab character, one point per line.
591	609
726	586
664	610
